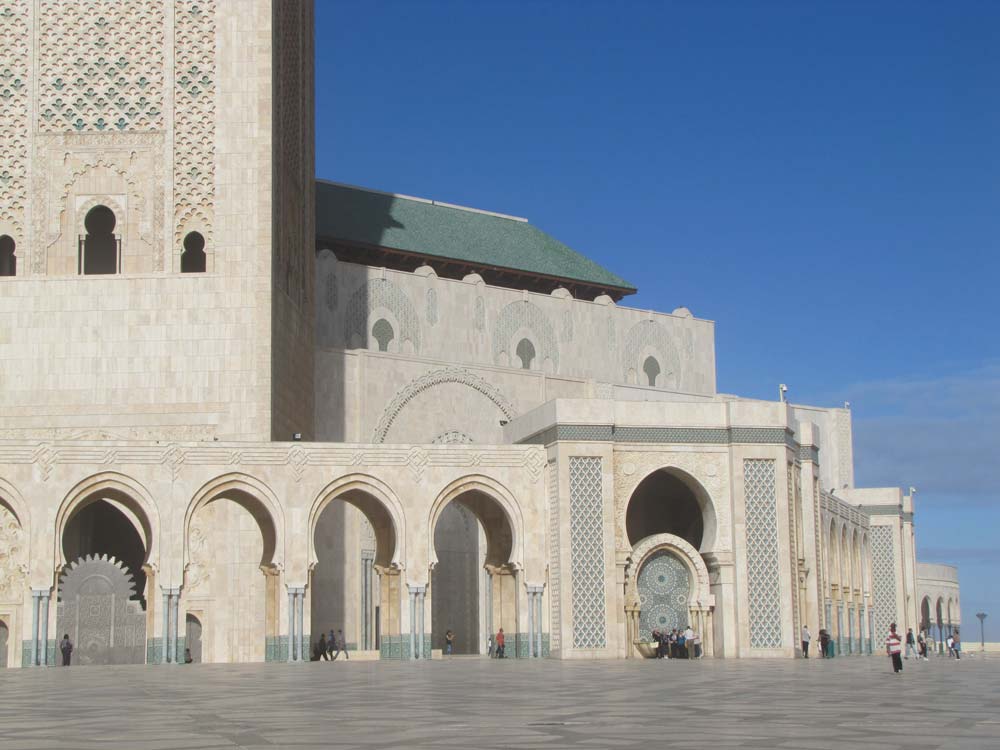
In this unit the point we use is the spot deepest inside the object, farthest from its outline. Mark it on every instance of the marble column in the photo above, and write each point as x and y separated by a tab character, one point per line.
840	629
413	621
531	623
871	631
301	617
175	607
45	599
538	621
291	625
421	607
164	641
34	627
850	630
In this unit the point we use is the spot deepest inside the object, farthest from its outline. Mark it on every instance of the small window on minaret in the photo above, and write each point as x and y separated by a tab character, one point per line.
652	369
8	261
100	245
193	257
383	334
526	353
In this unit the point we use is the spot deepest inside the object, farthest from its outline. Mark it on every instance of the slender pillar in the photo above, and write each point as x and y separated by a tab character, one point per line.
538	620
166	626
422	597
531	623
34	627
840	629
871	631
413	621
291	625
176	608
850	630
45	598
302	610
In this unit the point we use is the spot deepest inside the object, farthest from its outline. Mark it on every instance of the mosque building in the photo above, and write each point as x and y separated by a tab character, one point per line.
240	406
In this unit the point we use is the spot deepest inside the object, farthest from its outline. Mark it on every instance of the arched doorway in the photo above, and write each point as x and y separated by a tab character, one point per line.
192	637
925	615
103	588
354	581
473	581
669	520
231	578
664	583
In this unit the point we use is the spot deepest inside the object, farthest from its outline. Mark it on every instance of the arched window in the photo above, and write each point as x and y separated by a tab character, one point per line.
193	257
383	333
526	353
652	369
100	246
8	261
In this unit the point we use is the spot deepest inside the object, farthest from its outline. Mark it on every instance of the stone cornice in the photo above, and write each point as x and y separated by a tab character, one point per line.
666	435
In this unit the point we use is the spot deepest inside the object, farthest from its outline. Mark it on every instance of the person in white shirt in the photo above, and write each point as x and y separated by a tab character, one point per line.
806	638
689	641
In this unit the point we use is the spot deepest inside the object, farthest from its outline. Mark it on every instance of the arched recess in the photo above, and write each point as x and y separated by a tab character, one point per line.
435	379
107	549
8	256
234	539
925	614
644	599
650	339
356	545
669	500
127	496
475	531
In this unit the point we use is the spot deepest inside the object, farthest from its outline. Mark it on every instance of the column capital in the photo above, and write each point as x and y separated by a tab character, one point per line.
417	588
296	589
535	588
41	592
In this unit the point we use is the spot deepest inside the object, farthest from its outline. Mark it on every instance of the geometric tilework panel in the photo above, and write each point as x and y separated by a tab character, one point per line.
763	571
586	513
15	56
883	578
664	585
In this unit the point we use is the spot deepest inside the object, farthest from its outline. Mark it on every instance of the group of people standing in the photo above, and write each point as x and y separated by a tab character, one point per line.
677	643
329	648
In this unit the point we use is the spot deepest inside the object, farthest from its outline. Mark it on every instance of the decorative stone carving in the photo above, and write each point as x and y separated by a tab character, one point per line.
100	65
432	307
649	338
664	587
198	570
453	436
883	550
12	567
370	296
709	469
15	57
479	317
524	315
586	502
762	554
429	380
194	119
96	609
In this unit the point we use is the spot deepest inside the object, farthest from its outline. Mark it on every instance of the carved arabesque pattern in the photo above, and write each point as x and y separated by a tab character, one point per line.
199	568
650	337
194	118
377	293
763	567
100	65
15	55
452	437
11	553
586	530
523	314
883	546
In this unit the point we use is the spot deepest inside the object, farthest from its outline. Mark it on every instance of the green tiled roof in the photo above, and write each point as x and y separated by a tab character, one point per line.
416	225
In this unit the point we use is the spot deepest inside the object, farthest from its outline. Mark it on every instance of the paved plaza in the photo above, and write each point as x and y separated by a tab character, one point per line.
469	702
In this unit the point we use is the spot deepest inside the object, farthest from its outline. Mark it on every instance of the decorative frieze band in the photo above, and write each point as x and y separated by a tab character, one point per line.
299	456
856	514
670	435
808	453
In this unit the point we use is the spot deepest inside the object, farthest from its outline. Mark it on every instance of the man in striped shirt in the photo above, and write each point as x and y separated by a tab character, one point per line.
894	647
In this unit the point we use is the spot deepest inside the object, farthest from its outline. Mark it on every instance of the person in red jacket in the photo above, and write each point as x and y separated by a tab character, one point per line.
500	643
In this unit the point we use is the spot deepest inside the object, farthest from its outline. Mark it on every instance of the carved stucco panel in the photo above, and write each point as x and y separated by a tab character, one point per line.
711	470
12	564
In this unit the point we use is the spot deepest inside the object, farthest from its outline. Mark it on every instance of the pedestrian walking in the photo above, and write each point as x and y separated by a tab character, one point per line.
806	637
500	644
956	645
321	648
449	642
331	642
341	645
66	646
922	645
824	640
689	642
911	644
489	645
697	644
950	642
894	648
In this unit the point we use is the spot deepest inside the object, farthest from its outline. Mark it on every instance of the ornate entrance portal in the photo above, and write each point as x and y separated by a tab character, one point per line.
664	589
97	610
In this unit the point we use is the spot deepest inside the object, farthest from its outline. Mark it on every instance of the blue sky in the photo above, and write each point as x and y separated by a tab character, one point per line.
822	180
